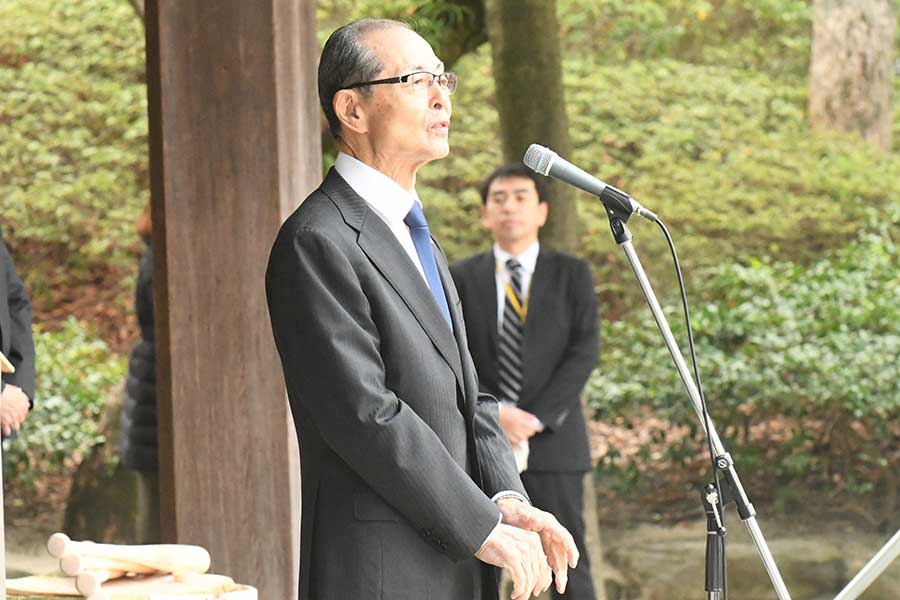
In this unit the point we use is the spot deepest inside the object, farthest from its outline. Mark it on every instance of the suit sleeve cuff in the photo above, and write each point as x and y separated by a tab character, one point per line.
491	534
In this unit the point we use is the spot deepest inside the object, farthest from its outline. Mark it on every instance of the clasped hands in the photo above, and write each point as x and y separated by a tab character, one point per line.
530	544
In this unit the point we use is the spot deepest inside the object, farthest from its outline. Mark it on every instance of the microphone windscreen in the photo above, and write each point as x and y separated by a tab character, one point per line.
539	159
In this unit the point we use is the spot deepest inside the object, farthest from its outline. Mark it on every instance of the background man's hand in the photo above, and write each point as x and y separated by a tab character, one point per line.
557	542
13	409
520	553
518	425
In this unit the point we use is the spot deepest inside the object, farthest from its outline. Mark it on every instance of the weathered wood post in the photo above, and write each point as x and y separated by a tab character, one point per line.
234	147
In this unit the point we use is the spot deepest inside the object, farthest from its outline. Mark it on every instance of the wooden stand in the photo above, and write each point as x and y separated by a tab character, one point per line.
5	367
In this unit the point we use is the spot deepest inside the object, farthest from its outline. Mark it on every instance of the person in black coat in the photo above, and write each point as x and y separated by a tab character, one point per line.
138	445
532	319
138	442
16	344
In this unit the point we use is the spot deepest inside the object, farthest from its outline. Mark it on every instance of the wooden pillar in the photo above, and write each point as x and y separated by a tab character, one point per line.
234	145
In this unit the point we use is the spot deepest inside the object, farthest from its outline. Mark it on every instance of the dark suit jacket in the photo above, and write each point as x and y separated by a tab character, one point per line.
560	349
399	453
16	341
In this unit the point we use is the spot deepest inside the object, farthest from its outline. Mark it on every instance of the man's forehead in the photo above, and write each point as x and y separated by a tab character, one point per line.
404	49
513	183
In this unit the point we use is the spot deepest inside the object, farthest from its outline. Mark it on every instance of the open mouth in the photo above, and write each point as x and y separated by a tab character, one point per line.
441	127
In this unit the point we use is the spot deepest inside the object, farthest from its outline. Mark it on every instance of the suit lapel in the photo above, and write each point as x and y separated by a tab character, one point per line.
381	246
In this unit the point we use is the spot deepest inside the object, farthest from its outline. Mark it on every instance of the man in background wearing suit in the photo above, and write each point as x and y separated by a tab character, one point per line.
409	486
532	320
16	344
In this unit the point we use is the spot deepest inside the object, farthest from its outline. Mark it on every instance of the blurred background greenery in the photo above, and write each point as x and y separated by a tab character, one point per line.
788	237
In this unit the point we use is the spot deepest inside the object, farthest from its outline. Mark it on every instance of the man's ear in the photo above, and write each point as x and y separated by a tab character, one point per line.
543	211
349	111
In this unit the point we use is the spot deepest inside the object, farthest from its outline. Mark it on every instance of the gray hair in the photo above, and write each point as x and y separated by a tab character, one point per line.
346	60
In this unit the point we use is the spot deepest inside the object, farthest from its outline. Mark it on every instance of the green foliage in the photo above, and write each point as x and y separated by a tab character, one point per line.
799	369
73	127
441	22
724	155
696	107
769	35
75	372
716	141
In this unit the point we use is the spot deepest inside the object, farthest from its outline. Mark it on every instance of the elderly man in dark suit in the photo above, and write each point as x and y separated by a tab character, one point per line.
532	319
409	486
16	344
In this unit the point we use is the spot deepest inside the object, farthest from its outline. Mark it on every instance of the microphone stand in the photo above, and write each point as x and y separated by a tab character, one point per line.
619	210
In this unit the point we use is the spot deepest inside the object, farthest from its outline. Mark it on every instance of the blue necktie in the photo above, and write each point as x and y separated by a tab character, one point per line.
418	229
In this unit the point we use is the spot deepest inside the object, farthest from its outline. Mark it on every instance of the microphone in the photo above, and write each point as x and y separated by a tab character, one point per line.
548	163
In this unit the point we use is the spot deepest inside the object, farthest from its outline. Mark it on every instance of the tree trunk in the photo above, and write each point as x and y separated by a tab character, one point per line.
456	27
852	67
524	36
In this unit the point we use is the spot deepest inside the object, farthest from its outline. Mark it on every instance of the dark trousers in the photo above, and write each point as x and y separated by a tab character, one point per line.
562	494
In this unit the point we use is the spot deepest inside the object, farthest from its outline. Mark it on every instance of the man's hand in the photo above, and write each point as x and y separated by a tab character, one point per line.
518	425
519	552
557	542
13	409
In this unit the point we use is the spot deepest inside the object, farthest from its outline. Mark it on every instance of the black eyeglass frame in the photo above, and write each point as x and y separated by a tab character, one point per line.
449	76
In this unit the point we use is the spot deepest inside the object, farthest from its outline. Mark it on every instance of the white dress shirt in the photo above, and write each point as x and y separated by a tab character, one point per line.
392	203
385	197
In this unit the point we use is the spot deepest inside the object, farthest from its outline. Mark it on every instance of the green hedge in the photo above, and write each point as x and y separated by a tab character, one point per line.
717	142
75	372
73	127
762	35
799	365
723	155
695	107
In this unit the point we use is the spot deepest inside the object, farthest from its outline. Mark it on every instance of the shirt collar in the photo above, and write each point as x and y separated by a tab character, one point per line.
528	258
383	194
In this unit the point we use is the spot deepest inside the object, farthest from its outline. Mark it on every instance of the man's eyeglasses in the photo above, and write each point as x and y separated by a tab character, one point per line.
420	80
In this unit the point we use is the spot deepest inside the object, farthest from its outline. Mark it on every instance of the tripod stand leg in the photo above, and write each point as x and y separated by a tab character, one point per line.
872	570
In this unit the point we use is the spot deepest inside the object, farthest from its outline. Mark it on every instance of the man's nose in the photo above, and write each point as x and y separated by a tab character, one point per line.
440	97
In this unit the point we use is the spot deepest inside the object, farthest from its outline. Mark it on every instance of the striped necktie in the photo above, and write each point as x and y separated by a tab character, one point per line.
509	342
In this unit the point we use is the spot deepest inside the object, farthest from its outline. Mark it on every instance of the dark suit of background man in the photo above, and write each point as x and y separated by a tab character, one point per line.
409	487
17	345
532	320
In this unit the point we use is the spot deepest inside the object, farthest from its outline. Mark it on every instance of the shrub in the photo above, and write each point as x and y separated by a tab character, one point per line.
765	35
75	372
799	367
723	155
73	127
